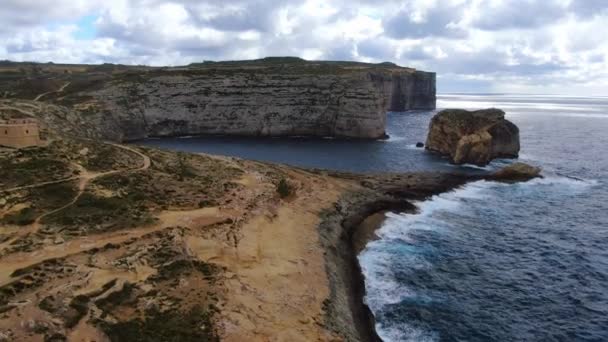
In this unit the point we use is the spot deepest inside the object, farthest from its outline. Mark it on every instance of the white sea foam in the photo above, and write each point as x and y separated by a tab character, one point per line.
568	115
393	138
472	104
571	182
406	333
378	268
379	259
471	166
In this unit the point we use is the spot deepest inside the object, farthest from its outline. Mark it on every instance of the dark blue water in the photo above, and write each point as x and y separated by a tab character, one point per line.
488	262
398	153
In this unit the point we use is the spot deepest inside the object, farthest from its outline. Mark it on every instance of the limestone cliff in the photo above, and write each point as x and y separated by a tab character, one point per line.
474	137
268	97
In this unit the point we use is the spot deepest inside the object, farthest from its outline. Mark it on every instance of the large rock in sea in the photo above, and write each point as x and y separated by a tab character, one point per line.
516	172
474	137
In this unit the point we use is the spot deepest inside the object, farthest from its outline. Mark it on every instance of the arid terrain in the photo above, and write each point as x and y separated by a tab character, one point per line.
107	242
110	242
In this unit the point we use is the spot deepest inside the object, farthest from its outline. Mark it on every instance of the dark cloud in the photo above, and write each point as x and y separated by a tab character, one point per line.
343	51
589	8
376	48
255	15
417	53
439	21
16	14
521	14
597	58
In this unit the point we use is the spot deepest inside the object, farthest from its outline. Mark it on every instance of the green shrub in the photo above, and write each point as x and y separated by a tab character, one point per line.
23	217
284	188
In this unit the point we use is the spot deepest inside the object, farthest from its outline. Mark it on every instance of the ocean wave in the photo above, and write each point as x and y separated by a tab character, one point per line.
405	332
472	104
470	166
377	266
562	180
403	244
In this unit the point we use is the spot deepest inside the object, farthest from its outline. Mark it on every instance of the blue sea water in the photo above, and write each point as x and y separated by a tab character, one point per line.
489	261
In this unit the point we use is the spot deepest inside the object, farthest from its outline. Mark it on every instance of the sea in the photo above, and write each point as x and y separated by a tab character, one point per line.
488	261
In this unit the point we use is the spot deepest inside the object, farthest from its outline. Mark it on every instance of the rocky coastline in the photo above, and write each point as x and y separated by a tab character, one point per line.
344	236
154	242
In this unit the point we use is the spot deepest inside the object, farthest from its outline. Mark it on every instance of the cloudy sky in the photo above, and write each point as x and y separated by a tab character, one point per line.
536	46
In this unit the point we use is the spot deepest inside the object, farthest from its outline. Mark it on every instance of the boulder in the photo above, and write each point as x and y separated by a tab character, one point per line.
516	172
419	145
474	137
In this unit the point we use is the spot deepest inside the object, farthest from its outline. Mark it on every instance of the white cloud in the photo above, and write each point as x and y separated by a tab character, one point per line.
496	45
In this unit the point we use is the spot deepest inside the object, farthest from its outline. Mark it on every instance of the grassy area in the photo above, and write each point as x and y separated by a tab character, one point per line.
43	164
170	326
20	169
23	217
39	200
92	213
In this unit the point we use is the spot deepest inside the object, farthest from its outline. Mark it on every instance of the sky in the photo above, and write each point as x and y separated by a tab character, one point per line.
523	46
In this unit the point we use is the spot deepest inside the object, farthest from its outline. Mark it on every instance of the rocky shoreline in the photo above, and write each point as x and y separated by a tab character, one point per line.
344	236
257	251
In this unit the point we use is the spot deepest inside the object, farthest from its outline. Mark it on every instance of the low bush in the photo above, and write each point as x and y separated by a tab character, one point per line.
284	188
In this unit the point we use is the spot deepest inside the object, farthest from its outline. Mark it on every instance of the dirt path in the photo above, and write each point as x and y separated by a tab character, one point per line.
84	174
191	218
50	92
85	179
20	110
37	185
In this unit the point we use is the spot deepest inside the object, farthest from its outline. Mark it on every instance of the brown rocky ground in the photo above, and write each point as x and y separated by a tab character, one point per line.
150	245
106	242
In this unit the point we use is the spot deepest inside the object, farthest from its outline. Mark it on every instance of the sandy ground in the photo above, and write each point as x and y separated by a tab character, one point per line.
273	285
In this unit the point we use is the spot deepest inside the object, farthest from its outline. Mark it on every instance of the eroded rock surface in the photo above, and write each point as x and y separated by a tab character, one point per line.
474	137
517	172
267	97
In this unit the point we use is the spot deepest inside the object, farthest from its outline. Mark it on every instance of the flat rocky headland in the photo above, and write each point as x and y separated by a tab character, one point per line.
111	242
107	242
281	96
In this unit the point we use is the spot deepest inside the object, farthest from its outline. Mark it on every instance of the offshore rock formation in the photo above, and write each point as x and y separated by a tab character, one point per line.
474	137
516	172
267	97
107	242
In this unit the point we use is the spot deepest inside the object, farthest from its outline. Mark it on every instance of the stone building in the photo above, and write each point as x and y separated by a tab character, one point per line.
19	133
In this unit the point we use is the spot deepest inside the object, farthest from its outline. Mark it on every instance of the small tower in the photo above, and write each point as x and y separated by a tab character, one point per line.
19	133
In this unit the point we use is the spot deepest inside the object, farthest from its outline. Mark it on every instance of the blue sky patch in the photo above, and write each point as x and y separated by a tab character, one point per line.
86	28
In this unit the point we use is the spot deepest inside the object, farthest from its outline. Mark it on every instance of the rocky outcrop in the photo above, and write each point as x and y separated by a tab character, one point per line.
516	172
474	137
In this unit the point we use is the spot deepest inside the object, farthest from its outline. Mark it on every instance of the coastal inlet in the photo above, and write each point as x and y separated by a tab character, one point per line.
491	261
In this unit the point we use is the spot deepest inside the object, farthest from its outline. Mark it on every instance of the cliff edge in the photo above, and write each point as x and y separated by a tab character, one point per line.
267	97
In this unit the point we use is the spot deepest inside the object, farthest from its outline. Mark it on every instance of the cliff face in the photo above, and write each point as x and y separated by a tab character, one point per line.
267	97
246	102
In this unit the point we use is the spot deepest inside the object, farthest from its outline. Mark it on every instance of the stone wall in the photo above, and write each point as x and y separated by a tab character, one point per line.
19	133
